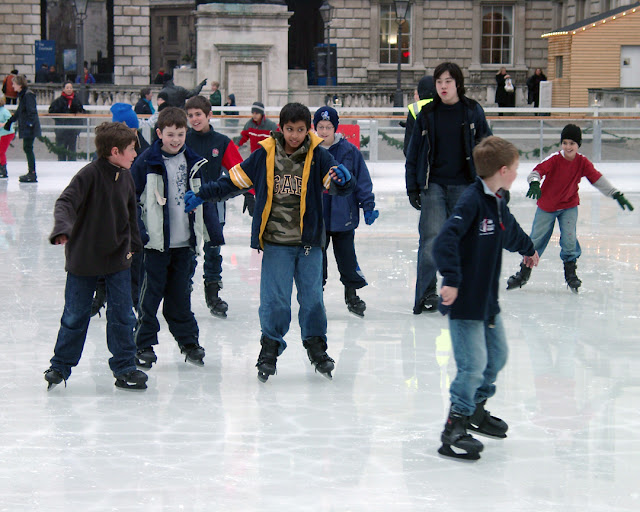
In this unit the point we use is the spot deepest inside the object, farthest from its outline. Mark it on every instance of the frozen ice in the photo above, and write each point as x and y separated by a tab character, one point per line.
215	438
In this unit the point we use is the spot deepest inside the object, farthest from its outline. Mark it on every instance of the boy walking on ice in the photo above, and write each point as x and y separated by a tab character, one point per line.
468	253
95	218
289	172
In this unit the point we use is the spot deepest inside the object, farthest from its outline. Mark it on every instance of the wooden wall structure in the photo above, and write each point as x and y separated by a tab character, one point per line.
590	52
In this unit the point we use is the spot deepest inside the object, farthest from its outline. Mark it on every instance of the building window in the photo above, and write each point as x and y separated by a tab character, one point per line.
389	36
497	34
559	63
581	10
172	29
559	14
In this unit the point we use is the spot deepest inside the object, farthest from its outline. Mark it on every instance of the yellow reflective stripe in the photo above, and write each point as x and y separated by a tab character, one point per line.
270	170
326	181
239	177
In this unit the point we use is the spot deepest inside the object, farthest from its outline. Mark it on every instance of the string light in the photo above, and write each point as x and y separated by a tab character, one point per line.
593	25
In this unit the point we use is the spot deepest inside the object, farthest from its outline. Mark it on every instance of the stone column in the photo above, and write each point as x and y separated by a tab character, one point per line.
132	57
20	20
245	48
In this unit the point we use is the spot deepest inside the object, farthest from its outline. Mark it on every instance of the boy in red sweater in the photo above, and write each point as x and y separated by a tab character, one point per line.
558	199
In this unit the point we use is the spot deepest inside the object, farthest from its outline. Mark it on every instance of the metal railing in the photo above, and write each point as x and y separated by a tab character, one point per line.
606	136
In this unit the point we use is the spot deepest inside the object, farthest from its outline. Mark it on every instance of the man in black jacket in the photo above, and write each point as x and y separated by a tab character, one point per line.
67	103
177	96
440	166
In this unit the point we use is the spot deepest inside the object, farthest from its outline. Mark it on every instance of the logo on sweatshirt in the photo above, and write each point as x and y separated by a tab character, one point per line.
215	152
487	227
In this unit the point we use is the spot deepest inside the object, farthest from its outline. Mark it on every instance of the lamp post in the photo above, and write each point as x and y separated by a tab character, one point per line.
326	12
402	7
80	8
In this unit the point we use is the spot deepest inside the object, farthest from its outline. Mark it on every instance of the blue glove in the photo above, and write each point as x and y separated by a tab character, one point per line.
342	174
370	216
191	201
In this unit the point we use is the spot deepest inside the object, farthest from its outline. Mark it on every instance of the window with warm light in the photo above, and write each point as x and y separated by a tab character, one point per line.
497	34
389	36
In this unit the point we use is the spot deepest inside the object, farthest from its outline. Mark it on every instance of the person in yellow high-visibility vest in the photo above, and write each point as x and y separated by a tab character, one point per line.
426	92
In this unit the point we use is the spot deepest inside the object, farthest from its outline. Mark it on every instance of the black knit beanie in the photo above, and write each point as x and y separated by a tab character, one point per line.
326	114
426	89
572	132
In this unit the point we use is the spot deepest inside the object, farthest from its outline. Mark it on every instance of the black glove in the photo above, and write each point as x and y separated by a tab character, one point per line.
414	199
204	82
249	203
7	125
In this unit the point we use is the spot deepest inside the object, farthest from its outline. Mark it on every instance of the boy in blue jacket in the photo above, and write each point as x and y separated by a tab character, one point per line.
220	152
163	174
468	253
342	213
289	173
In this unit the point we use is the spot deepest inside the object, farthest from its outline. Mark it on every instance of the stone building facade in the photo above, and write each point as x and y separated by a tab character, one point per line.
480	35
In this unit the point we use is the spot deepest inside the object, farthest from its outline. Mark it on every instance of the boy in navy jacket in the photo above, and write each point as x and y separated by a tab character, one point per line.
342	213
220	152
468	253
163	174
289	173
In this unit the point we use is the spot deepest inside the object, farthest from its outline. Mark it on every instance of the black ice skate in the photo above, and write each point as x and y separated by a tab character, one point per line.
570	276
133	381
3	171
429	302
53	377
99	298
520	278
30	177
316	350
267	358
216	305
456	442
193	353
483	423
354	303
145	357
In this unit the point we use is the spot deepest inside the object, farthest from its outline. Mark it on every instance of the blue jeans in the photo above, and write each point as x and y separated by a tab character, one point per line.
542	230
344	251
437	202
78	295
281	266
167	279
480	351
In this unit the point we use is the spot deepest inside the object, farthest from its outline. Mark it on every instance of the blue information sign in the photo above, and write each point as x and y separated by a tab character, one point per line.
45	53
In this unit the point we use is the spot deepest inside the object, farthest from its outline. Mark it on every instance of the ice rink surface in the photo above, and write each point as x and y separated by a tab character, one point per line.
215	438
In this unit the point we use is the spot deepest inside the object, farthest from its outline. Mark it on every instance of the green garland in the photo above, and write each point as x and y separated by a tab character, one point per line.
59	150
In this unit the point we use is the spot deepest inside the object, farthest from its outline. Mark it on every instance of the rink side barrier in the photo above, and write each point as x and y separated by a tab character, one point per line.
609	134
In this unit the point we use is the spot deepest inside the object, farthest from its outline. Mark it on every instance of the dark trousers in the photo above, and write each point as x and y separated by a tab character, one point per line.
78	295
167	279
345	252
27	147
66	139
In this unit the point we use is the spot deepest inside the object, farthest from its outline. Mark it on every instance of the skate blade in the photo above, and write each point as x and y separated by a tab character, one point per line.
263	377
356	313
486	434
194	362
449	452
120	384
326	375
218	314
142	364
51	386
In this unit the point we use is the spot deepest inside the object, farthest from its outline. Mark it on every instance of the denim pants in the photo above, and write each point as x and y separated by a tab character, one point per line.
281	266
480	350
344	251
78	295
437	202
542	230
167	279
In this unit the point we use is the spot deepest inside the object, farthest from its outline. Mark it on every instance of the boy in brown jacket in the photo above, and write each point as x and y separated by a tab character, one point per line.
95	218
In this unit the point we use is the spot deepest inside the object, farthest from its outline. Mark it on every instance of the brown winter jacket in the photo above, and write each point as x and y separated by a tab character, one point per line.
97	212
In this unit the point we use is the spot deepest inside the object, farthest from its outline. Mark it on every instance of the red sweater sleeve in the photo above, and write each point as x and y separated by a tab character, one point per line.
231	156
